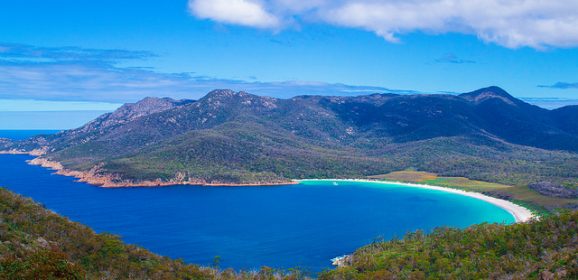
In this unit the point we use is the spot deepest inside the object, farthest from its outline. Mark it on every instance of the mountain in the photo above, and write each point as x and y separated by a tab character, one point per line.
236	137
522	123
566	117
124	115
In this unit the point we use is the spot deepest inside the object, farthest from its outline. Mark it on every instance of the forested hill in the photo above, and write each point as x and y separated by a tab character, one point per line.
545	249
237	137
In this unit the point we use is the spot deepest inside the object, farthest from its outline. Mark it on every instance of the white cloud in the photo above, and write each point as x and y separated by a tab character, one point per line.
510	23
241	12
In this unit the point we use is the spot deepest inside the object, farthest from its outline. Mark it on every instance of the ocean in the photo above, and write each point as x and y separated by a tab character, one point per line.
23	134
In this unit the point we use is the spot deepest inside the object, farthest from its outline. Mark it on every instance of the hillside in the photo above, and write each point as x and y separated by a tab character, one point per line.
236	137
543	249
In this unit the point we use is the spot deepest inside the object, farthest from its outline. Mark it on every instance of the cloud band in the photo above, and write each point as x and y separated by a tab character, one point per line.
510	23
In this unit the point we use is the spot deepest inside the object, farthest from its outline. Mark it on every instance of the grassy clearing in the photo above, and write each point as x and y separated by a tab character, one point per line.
421	177
519	194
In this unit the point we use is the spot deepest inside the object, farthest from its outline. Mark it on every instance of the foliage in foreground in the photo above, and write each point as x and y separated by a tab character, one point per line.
544	249
38	244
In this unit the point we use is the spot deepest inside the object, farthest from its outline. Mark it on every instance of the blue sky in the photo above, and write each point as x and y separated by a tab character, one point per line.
121	51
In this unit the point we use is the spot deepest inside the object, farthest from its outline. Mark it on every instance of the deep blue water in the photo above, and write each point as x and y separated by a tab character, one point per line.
23	134
284	227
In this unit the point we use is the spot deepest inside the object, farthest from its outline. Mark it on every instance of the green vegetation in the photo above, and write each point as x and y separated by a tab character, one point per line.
38	244
520	194
544	249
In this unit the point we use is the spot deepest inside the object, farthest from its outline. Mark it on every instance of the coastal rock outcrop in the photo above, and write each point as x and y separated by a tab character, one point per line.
95	176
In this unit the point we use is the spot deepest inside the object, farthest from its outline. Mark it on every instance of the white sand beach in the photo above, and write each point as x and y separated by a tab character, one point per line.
521	214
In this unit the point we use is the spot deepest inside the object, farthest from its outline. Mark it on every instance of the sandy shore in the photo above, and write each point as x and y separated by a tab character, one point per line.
521	214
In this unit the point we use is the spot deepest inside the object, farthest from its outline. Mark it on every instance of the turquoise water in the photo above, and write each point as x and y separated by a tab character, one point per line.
287	226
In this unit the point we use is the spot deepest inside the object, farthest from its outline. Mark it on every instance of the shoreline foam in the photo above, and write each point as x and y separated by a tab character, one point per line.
521	214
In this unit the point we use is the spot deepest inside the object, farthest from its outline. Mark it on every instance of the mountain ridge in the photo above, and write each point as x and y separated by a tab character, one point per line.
229	137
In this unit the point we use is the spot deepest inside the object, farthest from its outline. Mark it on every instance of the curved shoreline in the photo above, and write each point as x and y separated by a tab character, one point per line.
521	214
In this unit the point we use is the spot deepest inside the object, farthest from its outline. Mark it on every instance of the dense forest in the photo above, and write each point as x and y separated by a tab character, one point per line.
545	249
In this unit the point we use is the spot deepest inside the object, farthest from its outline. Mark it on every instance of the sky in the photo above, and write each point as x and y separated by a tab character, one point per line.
55	54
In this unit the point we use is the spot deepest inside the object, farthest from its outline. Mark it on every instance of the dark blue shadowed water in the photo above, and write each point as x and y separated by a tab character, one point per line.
289	226
23	134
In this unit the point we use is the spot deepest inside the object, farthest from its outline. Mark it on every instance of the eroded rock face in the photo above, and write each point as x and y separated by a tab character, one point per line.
132	111
555	190
342	261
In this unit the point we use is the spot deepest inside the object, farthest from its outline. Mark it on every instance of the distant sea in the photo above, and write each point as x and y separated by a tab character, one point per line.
247	227
23	134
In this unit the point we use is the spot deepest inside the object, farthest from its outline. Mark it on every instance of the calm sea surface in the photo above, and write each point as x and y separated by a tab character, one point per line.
288	226
23	134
